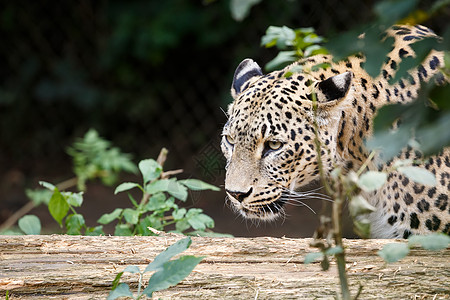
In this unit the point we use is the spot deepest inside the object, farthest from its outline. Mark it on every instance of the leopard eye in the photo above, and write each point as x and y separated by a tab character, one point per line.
229	140
274	145
271	146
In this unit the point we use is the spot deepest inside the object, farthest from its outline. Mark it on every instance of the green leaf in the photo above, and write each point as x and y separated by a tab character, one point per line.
74	224
171	273
122	290
419	175
108	218
58	206
177	190
334	250
30	224
171	186
125	187
371	180
282	59
393	252
94	231
150	169
394	10
182	225
122	230
209	234
198	185
201	222
241	8
435	241
73	199
47	185
132	269
359	205
170	252
179	213
131	215
39	196
157	202
312	257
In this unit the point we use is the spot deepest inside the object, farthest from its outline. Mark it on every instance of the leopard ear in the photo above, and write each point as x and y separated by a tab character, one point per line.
335	87
246	70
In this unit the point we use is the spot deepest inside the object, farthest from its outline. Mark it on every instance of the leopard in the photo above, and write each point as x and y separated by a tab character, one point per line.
269	143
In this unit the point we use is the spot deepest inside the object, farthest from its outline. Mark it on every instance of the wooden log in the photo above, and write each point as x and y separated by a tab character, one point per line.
83	267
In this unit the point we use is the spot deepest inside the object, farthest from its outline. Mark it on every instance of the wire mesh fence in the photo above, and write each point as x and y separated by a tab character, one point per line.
145	74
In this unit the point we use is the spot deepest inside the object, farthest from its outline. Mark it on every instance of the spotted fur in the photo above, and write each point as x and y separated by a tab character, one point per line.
268	140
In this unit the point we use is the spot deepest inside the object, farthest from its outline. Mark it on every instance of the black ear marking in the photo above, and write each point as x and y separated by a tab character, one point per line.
337	86
246	70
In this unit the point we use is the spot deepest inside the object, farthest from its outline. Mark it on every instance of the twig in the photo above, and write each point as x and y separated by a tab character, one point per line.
30	205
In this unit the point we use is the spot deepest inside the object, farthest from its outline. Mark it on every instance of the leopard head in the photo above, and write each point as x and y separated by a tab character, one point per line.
269	138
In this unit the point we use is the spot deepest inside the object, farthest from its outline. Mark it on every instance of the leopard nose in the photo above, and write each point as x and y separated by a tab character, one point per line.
240	196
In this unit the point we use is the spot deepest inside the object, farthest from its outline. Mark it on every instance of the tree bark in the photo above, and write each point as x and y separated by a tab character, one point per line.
83	267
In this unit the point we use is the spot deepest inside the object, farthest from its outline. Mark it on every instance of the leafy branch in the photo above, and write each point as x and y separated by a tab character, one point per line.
167	272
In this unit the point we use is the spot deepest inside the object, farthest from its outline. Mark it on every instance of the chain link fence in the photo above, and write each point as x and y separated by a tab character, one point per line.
145	74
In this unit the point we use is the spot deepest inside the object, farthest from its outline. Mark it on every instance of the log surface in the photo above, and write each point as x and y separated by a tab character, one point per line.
82	267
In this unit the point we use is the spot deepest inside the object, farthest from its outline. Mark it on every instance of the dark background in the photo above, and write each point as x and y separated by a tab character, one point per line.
144	74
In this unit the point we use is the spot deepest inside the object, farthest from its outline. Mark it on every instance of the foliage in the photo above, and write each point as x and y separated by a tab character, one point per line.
293	45
167	272
393	252
93	157
157	208
241	8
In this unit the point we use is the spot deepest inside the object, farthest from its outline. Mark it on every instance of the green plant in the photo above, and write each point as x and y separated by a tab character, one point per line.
293	43
93	158
167	272
393	252
157	208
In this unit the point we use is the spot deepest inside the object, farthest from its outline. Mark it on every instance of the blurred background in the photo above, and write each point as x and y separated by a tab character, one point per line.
146	75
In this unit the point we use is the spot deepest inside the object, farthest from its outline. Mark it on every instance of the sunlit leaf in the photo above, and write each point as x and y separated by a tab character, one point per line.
167	254
435	241
30	224
108	218
372	180
58	206
171	273
358	205
241	8
394	252
131	215
125	187
150	169
282	59
122	230
132	269
39	196
74	224
198	185
312	257
122	290
419	175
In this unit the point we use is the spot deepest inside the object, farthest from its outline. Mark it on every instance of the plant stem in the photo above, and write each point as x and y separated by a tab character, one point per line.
30	205
340	257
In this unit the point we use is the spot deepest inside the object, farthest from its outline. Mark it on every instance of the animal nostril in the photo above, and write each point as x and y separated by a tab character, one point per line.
240	196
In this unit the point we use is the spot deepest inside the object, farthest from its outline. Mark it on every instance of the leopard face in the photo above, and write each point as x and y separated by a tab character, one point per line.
269	139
